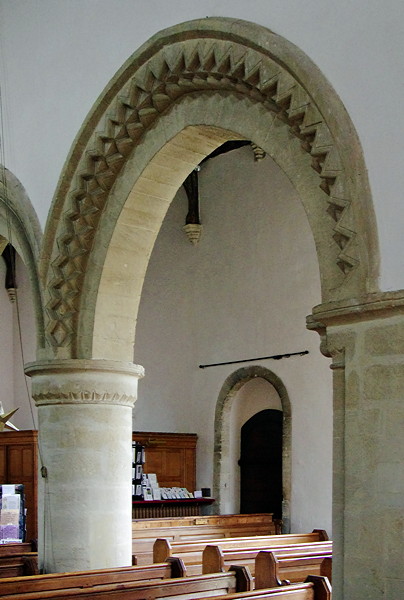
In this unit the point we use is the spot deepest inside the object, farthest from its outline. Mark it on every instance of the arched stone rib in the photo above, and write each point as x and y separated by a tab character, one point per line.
180	69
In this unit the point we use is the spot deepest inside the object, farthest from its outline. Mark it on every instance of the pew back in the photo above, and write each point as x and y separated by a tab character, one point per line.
17	548
14	565
202	586
274	569
163	548
216	559
184	529
314	588
53	581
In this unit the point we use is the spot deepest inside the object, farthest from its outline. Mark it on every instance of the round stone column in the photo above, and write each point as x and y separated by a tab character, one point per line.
85	461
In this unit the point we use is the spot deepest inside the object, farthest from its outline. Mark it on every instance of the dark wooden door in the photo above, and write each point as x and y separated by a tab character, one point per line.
261	464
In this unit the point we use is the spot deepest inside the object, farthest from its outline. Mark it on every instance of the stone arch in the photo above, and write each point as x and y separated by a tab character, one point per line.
187	90
226	396
20	227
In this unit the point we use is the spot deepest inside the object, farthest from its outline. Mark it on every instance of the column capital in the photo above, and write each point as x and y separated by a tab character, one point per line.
352	310
84	381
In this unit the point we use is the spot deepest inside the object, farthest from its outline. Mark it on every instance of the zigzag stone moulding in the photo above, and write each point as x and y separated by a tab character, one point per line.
158	77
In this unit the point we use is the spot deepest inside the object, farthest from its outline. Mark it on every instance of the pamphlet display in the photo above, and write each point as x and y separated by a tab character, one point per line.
12	513
138	459
145	486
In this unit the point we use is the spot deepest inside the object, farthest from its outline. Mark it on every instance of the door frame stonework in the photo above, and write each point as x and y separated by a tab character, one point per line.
221	457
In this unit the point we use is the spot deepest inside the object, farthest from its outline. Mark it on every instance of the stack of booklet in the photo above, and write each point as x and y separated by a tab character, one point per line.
152	490
138	458
145	486
12	513
175	493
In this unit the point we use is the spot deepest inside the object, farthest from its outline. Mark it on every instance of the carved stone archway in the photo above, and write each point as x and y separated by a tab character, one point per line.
229	389
182	94
222	79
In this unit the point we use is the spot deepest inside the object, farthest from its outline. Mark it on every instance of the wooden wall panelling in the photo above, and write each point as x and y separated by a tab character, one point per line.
18	464
172	456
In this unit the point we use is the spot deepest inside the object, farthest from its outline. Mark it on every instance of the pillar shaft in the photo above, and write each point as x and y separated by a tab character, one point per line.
338	367
85	434
365	337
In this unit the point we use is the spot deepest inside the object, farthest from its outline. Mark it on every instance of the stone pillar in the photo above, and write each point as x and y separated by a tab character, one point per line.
338	369
85	484
368	494
333	345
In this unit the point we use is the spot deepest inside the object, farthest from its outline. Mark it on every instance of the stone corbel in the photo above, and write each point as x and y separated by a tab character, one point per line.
259	153
331	346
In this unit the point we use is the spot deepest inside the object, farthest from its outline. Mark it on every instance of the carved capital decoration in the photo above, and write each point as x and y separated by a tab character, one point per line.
331	346
84	382
160	76
43	399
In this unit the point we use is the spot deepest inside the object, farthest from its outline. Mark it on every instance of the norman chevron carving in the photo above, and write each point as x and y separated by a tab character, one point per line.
180	69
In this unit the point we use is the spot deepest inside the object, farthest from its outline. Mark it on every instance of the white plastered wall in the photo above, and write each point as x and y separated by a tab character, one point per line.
243	292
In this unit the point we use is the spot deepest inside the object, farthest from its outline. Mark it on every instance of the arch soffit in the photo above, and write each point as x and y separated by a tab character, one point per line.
190	62
19	225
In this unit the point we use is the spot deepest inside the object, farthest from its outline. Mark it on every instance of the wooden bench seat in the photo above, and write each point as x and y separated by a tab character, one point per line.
216	559
188	587
275	569
53	581
314	588
191	552
146	531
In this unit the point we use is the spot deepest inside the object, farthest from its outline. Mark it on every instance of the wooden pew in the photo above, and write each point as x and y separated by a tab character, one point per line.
183	529
314	588
18	559
237	580
191	552
173	568
215	559
17	548
18	564
274	569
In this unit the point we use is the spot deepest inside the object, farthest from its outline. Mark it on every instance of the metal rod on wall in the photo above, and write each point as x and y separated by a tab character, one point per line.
274	357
